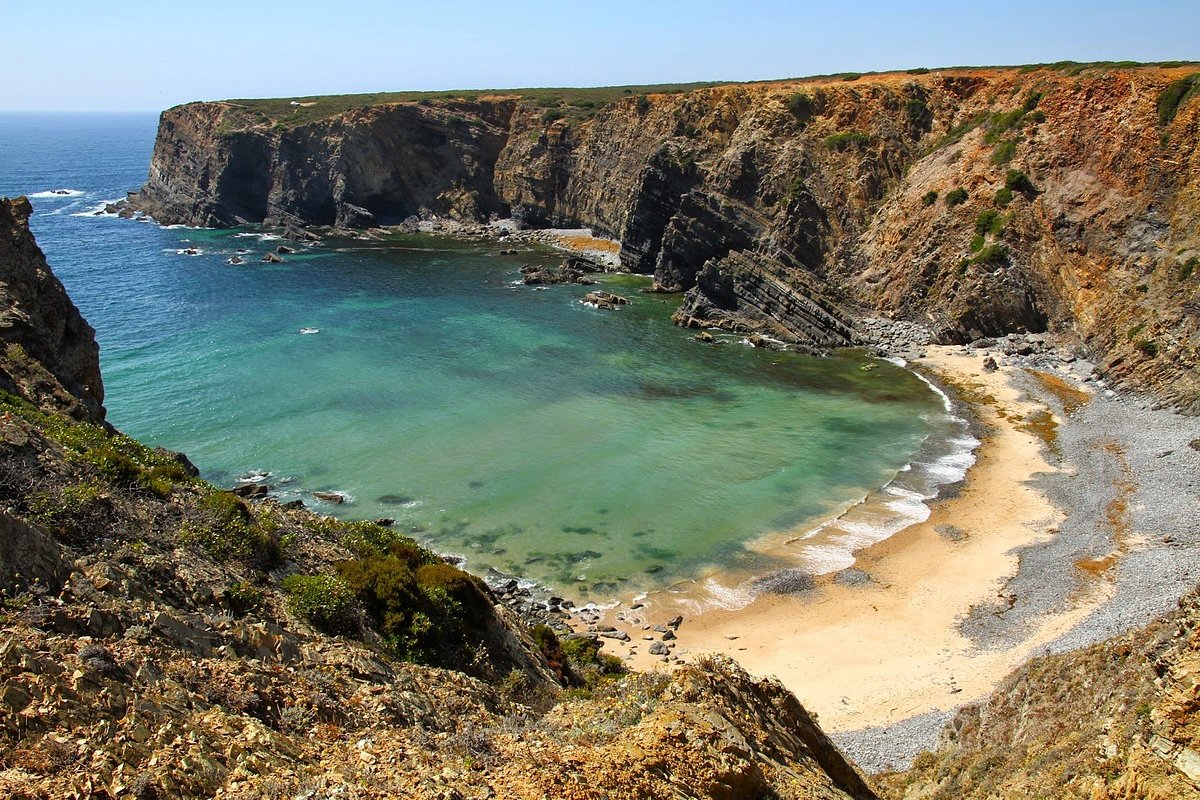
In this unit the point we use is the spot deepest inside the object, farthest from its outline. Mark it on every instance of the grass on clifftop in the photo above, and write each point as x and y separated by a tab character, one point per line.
316	107
583	102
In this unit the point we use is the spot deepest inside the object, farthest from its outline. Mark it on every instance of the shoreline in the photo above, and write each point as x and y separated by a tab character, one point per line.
885	646
937	619
1005	568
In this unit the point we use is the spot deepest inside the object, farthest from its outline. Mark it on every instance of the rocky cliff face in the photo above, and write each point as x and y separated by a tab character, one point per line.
51	353
976	202
163	638
1115	720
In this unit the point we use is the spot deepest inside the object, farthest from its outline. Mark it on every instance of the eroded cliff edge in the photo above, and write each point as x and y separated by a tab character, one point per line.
974	202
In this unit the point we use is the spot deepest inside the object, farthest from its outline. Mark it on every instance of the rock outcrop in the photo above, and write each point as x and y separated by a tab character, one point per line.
975	202
51	352
1114	720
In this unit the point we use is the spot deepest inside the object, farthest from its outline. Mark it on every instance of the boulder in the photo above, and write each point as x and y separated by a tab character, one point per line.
604	300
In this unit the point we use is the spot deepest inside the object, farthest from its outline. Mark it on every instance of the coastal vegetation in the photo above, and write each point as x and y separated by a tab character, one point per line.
579	103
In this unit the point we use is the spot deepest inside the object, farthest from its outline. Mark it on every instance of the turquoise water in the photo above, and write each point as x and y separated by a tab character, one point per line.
595	452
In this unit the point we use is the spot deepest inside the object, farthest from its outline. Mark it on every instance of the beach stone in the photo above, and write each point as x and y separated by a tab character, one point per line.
271	258
330	497
659	649
951	532
385	522
250	491
851	576
675	622
786	581
668	635
620	636
989	364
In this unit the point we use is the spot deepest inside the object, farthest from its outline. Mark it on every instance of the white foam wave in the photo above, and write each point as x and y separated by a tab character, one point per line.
56	194
309	331
728	598
823	559
96	210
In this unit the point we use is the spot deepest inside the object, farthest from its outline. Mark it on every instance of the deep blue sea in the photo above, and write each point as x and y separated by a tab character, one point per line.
598	453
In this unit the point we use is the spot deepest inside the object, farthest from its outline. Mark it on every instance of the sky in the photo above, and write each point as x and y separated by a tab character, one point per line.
83	55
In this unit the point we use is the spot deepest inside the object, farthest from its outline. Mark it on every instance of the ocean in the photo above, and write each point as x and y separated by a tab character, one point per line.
598	454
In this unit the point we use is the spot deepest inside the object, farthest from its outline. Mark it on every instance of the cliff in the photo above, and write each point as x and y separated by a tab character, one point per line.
160	637
1115	720
974	202
51	353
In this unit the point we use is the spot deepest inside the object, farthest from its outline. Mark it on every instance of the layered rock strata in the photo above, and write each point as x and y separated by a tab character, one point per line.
974	202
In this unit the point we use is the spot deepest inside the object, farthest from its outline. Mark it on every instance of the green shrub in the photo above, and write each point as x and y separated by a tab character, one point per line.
326	601
956	133
916	111
223	525
993	254
802	106
123	461
990	222
78	511
797	188
425	609
242	598
918	71
1135	330
956	197
1004	151
1187	268
1017	181
929	198
1004	196
547	642
553	114
365	538
977	243
1175	95
1148	348
642	104
840	142
1037	117
592	666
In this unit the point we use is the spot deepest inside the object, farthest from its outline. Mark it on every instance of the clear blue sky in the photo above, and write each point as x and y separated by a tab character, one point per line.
95	55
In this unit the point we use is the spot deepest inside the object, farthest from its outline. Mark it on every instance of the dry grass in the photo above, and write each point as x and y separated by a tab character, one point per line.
586	243
1116	516
1071	397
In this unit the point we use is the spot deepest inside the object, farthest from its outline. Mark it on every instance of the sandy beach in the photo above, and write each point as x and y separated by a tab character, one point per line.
1007	566
891	647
